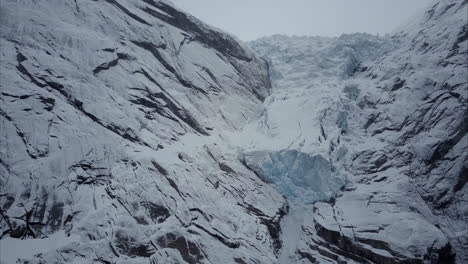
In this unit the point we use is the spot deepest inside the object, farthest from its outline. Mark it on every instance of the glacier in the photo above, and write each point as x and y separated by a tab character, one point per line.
132	132
296	142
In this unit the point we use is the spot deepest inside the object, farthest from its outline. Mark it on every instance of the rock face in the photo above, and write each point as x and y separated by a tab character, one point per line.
391	114
110	114
131	132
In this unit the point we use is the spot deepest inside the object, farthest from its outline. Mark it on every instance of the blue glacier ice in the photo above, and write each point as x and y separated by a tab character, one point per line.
297	175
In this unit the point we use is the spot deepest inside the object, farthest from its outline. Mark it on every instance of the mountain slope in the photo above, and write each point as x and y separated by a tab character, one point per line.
110	113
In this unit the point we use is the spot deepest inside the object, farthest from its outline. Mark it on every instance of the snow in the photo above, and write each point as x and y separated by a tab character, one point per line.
12	249
292	230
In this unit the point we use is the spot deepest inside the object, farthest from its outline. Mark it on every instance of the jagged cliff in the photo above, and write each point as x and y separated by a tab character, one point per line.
132	132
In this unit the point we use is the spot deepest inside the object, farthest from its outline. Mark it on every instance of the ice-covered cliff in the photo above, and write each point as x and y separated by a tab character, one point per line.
132	132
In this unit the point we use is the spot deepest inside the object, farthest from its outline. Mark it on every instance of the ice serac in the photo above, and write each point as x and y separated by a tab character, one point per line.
390	114
110	120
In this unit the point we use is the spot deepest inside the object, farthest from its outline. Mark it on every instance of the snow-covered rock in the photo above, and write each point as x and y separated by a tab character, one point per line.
110	120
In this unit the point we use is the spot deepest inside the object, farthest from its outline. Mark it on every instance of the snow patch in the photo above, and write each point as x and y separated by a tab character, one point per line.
12	249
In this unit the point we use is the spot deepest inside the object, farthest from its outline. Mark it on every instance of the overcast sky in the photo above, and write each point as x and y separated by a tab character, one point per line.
251	19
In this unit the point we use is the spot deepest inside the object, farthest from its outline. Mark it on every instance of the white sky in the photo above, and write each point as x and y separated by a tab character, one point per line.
251	19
